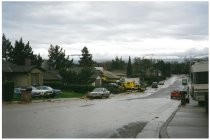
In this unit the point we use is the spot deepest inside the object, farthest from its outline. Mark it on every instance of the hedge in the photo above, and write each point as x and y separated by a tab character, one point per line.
79	88
55	85
114	89
7	90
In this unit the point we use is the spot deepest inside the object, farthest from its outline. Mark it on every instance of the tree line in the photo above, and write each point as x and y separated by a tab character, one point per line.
18	52
58	60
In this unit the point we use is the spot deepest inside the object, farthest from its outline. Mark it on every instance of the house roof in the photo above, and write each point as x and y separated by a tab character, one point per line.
119	73
110	75
96	74
45	65
10	67
52	75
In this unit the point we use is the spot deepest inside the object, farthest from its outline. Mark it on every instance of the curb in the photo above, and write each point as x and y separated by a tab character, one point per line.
42	101
163	130
154	128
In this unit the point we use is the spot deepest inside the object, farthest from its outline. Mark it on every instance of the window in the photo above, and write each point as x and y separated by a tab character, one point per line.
200	77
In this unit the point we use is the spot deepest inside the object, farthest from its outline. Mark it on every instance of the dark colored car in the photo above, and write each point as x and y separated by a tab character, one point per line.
154	85
175	95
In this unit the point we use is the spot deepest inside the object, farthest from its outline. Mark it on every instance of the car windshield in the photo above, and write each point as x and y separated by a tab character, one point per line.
45	87
98	90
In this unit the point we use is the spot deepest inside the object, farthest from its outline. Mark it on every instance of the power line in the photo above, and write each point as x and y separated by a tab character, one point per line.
75	55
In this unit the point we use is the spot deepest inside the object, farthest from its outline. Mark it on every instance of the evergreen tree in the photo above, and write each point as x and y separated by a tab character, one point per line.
21	52
86	63
86	59
129	68
118	64
57	58
6	48
37	60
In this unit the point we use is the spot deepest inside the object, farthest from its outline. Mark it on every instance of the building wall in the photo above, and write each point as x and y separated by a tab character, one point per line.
39	74
20	80
97	82
25	79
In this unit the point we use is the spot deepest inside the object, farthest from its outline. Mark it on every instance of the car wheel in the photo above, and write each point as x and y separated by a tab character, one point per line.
46	96
52	95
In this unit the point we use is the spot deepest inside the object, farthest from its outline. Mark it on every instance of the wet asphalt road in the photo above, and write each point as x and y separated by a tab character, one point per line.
165	92
119	116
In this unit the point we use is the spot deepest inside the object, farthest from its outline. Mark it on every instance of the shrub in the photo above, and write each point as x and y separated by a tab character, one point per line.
114	89
79	88
7	90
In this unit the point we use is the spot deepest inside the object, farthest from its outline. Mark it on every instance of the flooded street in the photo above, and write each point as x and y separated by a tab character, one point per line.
98	118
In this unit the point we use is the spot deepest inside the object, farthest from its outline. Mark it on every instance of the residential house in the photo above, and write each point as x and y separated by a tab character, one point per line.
50	75
108	76
119	73
96	79
22	75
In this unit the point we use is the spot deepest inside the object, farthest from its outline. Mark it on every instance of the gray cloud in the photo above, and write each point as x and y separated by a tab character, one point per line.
88	22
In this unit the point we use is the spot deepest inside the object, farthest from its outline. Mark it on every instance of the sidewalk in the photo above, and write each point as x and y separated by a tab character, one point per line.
190	121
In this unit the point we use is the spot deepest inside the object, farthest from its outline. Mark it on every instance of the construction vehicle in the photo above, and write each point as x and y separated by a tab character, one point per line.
131	84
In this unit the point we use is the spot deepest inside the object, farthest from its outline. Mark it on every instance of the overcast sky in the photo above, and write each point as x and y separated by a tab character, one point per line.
110	29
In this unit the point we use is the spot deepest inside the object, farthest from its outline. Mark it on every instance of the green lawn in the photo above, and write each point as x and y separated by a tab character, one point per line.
67	94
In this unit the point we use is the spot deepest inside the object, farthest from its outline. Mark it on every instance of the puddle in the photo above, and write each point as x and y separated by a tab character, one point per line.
129	131
86	105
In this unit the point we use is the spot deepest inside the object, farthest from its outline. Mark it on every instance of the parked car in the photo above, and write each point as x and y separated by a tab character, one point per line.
154	85
40	92
161	83
17	91
175	95
54	91
99	93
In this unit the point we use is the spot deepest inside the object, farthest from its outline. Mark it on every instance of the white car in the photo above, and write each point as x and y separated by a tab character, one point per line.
40	93
99	93
54	91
